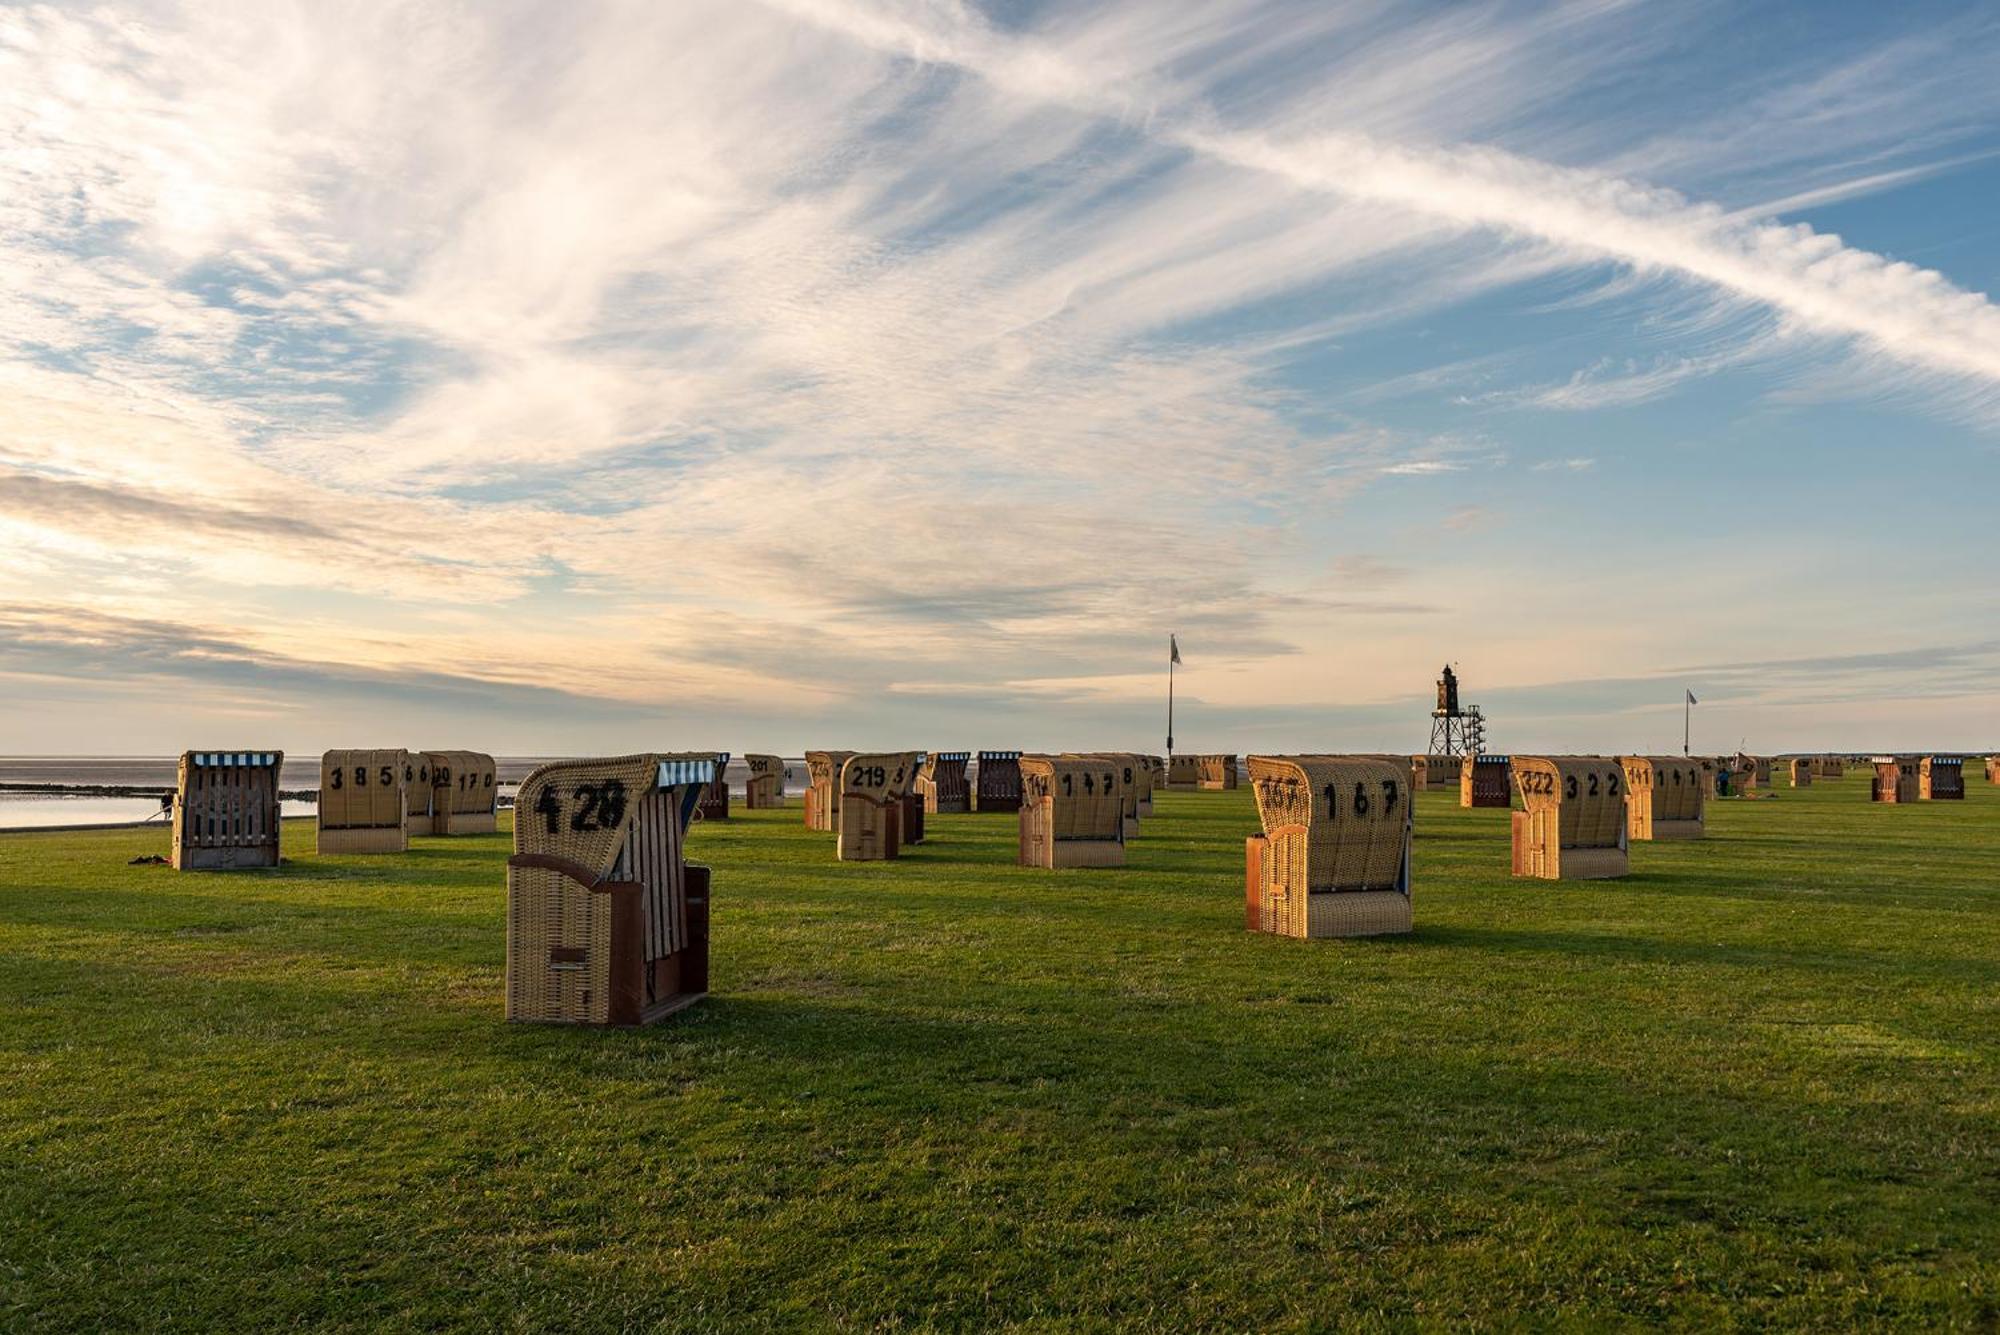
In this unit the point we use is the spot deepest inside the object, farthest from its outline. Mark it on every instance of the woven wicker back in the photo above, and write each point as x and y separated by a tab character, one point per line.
1485	781
942	782
823	788
765	786
364	790
1941	778
364	801
1217	771
998	781
1895	779
1750	773
226	810
465	792
1183	771
1993	769
1664	796
872	788
1586	792
1127	770
620	819
714	801
1334	857
1344	820
1069	801
417	790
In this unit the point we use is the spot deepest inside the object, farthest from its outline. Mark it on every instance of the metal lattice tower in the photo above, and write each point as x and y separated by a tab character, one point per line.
1455	731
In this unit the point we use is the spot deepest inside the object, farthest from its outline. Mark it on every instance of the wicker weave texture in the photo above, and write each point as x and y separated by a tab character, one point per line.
997	785
1072	812
465	792
1895	780
942	782
1941	779
1184	771
765	788
1218	772
873	786
1665	797
1429	772
1155	776
1130	778
1336	828
1485	781
713	804
1575	817
226	811
364	803
574	952
823	789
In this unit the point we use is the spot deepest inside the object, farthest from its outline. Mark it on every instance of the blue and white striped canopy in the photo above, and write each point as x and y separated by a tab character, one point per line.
674	773
242	759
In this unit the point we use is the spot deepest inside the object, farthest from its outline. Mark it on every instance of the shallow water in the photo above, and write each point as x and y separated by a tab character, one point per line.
20	811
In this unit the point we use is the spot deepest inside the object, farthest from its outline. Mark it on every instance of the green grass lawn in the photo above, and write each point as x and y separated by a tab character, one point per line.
1755	1082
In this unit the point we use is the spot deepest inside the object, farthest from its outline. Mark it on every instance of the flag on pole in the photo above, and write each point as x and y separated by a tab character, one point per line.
1174	649
1691	699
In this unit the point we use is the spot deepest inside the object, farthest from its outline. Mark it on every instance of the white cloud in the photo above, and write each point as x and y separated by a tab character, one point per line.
693	348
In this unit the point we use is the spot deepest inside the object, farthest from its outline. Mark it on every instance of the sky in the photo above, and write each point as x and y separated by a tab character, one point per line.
773	374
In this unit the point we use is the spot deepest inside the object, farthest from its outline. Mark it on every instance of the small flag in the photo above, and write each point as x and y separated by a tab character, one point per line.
1174	649
1691	699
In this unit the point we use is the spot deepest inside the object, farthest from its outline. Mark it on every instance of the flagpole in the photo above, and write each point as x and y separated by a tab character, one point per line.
1170	704
1687	721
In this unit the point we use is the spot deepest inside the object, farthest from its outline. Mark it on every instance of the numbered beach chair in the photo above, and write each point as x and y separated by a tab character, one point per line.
998	781
1218	773
607	924
1429	772
872	788
227	815
1664	797
364	801
823	789
1800	771
1184	772
1072	813
1993	769
1941	779
1749	776
1485	781
942	783
1573	826
714	803
1895	780
465	792
765	788
1334	857
1129	772
1153	772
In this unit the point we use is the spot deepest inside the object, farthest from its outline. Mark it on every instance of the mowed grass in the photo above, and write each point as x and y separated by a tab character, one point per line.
1755	1082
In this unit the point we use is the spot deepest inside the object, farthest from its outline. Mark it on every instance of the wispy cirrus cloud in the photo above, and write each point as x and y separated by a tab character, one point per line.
776	352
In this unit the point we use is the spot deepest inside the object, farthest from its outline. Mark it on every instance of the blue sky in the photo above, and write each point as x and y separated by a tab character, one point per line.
873	372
